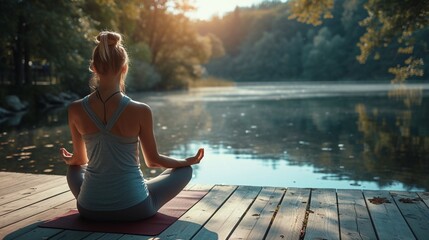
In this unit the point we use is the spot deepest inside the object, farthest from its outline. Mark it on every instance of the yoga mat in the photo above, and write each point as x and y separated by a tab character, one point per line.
166	216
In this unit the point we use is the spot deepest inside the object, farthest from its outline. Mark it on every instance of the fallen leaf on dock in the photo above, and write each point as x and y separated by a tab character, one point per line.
378	200
409	200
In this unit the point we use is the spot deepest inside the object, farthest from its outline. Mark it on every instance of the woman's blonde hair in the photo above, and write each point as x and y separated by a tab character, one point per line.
108	57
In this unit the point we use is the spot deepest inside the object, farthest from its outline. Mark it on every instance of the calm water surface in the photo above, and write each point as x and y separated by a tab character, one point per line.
359	136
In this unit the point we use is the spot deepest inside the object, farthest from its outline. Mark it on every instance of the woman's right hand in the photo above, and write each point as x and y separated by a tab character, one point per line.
197	158
66	155
70	158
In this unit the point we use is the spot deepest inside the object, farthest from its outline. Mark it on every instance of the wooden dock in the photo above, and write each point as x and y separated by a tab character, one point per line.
231	212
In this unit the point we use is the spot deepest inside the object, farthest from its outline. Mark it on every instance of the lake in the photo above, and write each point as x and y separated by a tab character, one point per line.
321	135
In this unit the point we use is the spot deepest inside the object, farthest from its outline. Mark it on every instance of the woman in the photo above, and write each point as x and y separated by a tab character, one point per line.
107	128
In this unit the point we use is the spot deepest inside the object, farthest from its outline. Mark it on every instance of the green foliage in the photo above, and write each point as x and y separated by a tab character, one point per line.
177	50
262	42
324	50
163	46
310	11
399	21
44	32
142	76
275	47
388	23
166	51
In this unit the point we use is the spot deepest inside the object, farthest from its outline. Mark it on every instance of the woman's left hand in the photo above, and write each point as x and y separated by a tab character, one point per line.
197	158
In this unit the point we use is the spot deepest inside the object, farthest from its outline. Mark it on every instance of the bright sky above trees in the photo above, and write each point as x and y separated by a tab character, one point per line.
208	8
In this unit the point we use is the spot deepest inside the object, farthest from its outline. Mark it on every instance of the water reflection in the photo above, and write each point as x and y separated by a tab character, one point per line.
371	136
397	141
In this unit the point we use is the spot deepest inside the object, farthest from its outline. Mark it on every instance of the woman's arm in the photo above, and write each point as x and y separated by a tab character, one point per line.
149	146
79	150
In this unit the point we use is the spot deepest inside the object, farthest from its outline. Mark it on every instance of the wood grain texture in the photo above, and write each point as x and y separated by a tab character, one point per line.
355	222
388	220
231	212
323	217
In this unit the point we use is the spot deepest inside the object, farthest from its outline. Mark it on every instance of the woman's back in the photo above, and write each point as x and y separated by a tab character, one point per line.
113	179
127	125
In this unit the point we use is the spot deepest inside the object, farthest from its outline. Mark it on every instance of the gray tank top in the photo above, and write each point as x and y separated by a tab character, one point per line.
113	179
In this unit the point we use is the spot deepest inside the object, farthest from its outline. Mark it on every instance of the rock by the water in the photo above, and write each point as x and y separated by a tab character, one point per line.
4	113
15	104
68	97
49	100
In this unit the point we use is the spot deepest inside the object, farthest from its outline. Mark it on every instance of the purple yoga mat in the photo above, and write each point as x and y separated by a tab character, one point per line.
166	216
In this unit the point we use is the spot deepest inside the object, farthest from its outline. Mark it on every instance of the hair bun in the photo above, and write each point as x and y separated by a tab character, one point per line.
111	38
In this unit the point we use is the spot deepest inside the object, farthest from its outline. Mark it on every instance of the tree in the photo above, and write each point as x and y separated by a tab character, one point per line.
164	47
387	22
176	49
311	11
321	57
166	51
42	31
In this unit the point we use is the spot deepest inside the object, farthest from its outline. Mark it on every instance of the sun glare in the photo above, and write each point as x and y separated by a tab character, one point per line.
205	9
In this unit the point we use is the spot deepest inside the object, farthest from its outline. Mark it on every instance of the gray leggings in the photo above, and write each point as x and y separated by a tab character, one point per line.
161	190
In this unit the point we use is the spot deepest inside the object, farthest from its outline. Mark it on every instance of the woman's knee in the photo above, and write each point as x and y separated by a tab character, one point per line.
179	176
75	175
186	172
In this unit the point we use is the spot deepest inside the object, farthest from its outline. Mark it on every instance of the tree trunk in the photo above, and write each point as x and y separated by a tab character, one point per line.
17	54
27	70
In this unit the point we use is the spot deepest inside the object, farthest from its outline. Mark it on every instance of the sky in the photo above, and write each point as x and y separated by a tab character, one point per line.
208	8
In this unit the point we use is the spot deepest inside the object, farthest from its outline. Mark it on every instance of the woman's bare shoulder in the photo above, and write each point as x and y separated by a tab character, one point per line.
75	106
140	107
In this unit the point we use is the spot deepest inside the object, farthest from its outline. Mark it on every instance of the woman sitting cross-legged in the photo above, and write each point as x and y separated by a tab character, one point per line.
108	129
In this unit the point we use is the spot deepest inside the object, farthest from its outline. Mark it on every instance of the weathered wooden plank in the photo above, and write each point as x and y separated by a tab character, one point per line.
194	219
32	199
23	181
94	236
425	197
26	208
34	209
136	237
70	235
13	182
387	219
257	220
91	236
106	236
39	233
414	211
20	177
5	174
323	217
16	232
32	222
355	222
11	179
226	218
31	190
289	220
201	187
189	186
